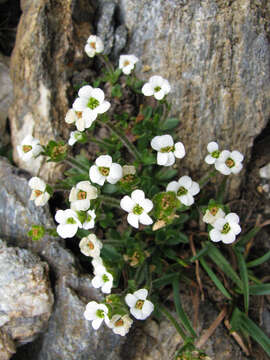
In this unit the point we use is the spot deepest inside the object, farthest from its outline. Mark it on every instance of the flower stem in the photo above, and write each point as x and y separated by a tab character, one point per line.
72	162
170	317
107	63
108	200
125	141
205	179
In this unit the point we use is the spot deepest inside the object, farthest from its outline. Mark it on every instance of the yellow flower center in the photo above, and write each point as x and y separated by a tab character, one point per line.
81	195
91	245
37	192
93	45
230	163
214	210
119	322
126	63
26	148
139	304
104	171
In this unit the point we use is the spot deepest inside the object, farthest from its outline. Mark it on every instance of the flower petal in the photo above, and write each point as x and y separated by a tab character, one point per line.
137	195
127	203
96	323
185	181
232	217
210	160
173	186
85	91
162	158
141	294
215	235
145	219
96	176
212	146
147	90
104	161
133	220
180	151
130	300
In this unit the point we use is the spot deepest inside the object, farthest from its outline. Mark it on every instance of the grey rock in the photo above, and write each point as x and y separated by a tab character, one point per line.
105	26
120	40
216	55
7	346
25	293
6	97
69	335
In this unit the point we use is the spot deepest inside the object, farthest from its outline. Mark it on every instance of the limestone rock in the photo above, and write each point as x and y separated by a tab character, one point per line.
216	55
50	40
26	297
6	97
69	335
7	346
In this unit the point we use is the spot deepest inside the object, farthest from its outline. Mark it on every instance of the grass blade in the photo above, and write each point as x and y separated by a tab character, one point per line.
165	280
259	261
215	279
244	276
224	265
200	253
247	237
263	289
179	309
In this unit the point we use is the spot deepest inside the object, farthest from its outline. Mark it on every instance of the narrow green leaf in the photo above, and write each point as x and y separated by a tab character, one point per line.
255	332
247	237
170	123
263	289
179	309
259	261
199	254
166	175
110	253
215	279
244	276
165	280
224	265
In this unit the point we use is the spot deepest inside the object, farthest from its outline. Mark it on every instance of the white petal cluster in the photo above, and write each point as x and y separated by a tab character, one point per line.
75	117
103	279
74	137
140	308
104	169
89	222
214	153
229	162
91	246
94	45
89	105
226	229
138	208
68	223
39	193
127	63
29	149
185	189
96	313
212	214
119	324
81	194
167	150
156	86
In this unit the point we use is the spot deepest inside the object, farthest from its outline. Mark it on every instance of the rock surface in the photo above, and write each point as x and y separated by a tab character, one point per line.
7	346
25	293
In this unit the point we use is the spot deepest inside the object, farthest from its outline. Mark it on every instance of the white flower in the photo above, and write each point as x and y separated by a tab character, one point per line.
127	63
81	194
96	313
103	279
90	104
89	222
90	246
156	86
74	137
39	193
96	262
68	223
229	162
94	45
167	150
119	324
105	169
137	207
75	117
226	229
185	189
214	153
212	214
29	149
140	308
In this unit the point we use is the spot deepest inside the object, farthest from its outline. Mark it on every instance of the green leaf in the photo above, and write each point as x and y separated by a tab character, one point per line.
110	254
165	280
247	237
203	251
259	261
263	289
255	332
116	91
109	188
179	309
165	175
215	279
244	277
223	264
170	124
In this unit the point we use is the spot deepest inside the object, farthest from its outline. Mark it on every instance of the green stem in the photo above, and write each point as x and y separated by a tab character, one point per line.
165	112
108	200
107	63
131	148
169	316
72	162
204	180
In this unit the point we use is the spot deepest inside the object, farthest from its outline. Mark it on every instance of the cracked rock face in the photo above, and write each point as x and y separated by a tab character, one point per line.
25	293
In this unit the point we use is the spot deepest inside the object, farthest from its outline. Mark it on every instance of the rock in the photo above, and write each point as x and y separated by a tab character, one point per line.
265	172
69	335
6	97
26	296
216	55
7	346
42	64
